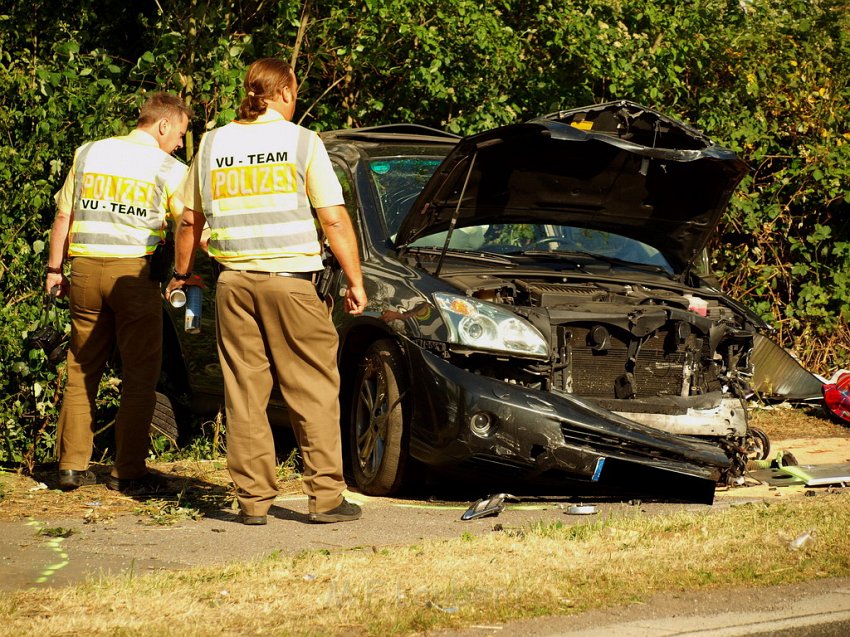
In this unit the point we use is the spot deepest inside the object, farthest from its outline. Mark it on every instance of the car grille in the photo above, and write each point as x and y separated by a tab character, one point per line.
606	445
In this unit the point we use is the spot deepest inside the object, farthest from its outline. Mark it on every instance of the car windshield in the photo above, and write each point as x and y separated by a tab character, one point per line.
548	240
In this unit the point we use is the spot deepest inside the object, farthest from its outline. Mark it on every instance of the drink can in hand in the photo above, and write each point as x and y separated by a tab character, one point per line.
177	298
194	300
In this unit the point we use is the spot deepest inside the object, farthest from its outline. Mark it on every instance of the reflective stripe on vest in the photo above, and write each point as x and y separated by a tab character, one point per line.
120	199
253	184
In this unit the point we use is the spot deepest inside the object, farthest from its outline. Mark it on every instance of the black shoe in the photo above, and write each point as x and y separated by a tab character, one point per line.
252	520
148	484
345	512
70	479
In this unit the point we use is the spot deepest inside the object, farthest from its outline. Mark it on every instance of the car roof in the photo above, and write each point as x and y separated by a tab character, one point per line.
392	133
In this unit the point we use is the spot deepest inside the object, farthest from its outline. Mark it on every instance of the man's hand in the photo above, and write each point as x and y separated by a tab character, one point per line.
57	285
173	284
355	299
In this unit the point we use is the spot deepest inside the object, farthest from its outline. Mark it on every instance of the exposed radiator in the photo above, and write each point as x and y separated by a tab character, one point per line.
594	374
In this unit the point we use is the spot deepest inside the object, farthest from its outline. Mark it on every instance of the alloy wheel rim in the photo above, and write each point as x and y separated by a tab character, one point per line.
371	420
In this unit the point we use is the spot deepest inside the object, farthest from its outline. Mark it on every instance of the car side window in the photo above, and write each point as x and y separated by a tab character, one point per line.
348	194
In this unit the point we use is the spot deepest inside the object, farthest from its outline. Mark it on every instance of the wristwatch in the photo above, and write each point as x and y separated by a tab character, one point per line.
182	276
54	270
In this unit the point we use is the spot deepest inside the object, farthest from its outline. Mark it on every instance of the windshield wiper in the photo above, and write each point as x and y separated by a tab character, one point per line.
647	267
550	255
477	254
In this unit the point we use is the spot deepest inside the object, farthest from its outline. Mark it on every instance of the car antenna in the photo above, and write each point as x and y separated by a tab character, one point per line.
456	214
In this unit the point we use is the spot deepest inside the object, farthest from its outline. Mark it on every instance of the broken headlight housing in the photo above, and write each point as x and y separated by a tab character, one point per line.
484	326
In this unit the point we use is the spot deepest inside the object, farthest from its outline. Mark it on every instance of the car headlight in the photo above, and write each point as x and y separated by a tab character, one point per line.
485	326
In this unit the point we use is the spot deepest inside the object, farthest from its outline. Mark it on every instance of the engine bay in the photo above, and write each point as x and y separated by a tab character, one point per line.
618	341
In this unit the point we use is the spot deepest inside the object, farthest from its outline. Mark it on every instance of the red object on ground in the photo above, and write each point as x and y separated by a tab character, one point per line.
836	395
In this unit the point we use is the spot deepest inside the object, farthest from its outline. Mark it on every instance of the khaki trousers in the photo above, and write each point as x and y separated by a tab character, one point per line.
275	329
112	301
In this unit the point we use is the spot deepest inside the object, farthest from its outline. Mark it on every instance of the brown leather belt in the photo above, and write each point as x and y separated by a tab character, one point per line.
306	276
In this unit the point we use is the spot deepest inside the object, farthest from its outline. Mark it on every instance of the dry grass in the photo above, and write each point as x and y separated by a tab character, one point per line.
207	483
784	422
543	570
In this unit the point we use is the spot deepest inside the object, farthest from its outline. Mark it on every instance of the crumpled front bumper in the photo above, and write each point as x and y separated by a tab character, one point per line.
463	419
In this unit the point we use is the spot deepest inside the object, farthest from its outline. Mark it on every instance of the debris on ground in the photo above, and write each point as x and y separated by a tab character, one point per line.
490	506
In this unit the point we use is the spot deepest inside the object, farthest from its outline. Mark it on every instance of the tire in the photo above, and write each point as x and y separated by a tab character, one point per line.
164	422
378	431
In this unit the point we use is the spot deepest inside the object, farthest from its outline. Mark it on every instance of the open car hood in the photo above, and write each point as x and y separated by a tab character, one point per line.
616	167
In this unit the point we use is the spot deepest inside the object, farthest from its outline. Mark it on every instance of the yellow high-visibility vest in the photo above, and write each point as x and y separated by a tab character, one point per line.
253	185
121	192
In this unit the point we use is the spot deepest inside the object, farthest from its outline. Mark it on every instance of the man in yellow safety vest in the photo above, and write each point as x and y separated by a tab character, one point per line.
254	181
111	217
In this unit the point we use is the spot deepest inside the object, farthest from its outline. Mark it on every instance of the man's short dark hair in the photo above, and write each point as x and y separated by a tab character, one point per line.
160	105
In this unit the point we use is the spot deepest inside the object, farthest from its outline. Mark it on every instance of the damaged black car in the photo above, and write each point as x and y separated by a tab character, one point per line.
539	306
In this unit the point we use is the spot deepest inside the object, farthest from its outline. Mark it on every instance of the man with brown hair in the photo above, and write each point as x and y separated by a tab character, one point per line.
111	217
256	182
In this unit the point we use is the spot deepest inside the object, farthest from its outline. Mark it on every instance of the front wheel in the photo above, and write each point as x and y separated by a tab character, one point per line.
378	422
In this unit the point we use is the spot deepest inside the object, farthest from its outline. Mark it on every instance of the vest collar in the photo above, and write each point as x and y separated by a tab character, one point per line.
138	136
270	115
